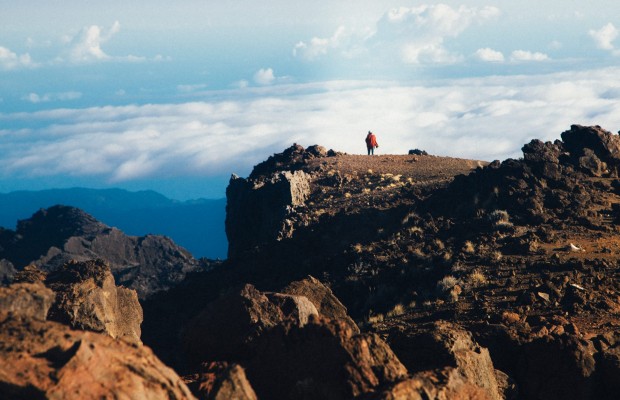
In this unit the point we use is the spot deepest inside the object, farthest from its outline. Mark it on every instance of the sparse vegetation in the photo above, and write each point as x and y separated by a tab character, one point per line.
468	248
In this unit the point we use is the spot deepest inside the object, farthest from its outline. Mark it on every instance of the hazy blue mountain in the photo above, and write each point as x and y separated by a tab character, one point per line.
197	225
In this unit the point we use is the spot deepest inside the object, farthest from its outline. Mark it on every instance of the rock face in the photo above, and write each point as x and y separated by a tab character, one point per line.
87	298
321	360
59	234
221	381
323	299
28	301
444	344
49	360
257	209
228	328
43	359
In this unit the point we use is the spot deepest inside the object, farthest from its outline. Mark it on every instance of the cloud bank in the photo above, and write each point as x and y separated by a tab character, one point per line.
481	118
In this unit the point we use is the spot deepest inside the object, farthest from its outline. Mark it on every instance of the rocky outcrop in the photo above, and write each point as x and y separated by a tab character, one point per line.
49	360
88	299
257	209
323	299
221	381
55	236
7	271
321	360
229	327
444	344
28	301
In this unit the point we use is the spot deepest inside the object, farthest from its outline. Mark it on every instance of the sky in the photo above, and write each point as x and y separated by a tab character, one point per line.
177	96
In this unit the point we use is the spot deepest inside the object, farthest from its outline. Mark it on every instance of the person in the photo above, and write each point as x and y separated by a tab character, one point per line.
371	143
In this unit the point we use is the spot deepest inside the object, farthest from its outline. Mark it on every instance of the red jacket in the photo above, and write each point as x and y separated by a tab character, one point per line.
371	141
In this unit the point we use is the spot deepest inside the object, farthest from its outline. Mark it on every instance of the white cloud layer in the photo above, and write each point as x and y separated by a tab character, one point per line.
605	36
47	97
489	55
523	55
481	118
264	76
10	60
85	47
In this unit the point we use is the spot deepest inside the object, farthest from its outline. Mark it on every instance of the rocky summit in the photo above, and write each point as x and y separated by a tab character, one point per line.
349	277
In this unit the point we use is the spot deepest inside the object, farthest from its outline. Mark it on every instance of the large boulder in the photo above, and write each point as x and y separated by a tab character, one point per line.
229	327
323	298
221	381
87	298
25	300
604	144
48	360
257	210
324	359
445	344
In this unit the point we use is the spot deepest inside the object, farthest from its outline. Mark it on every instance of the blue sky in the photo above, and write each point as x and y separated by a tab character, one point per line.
176	96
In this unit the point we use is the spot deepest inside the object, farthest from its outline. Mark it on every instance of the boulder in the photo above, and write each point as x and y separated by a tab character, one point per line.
87	298
258	210
228	328
7	271
591	164
221	381
445	344
442	384
25	300
48	360
323	298
321	360
604	144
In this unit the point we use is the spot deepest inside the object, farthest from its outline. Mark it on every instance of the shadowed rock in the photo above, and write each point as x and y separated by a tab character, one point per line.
87	298
26	301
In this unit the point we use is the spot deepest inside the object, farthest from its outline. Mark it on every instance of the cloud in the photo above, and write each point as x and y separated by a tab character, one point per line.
85	47
481	118
10	60
192	88
414	35
264	76
523	55
489	55
47	97
605	36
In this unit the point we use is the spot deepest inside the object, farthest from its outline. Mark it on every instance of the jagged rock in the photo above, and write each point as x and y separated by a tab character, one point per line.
323	298
59	234
442	344
87	298
221	381
604	144
257	210
7	271
228	328
291	159
442	384
321	360
26	301
591	164
47	360
417	152
30	274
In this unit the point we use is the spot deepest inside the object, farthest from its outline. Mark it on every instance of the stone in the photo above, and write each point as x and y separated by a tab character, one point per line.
445	344
323	359
221	381
88	298
26	301
48	360
323	298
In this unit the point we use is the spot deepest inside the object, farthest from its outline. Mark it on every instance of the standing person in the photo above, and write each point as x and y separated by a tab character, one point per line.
371	143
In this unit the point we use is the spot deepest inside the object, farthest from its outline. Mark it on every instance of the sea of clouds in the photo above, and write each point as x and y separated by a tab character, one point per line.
480	118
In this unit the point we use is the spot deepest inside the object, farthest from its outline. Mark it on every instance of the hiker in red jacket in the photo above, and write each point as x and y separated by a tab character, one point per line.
371	143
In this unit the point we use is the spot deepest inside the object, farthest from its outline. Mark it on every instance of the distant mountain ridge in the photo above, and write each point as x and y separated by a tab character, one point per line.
197	225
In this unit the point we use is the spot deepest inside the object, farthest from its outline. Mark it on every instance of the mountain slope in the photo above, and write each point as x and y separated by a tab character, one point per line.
197	225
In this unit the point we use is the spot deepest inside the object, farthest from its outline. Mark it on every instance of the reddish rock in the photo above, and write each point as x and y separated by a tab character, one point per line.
444	344
323	298
50	360
25	300
221	381
87	298
323	359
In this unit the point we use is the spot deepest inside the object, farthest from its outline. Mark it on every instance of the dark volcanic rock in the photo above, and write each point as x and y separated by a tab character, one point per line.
87	298
324	300
321	360
257	209
221	381
47	360
444	344
604	144
228	328
55	236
